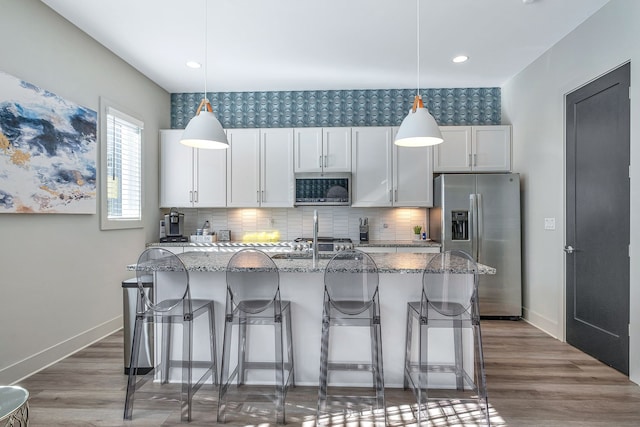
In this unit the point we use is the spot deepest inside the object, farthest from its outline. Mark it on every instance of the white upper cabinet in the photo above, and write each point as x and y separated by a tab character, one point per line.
387	175
276	166
243	168
322	149
190	177
372	167
412	175
260	165
474	149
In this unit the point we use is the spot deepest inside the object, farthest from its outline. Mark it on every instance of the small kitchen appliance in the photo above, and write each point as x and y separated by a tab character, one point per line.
329	189
364	229
174	223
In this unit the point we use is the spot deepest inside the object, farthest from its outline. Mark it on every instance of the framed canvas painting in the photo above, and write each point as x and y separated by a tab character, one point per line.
48	150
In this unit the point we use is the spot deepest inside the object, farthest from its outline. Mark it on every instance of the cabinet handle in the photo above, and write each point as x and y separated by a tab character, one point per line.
396	195
475	160
262	199
191	196
391	195
195	196
469	162
258	196
325	161
320	161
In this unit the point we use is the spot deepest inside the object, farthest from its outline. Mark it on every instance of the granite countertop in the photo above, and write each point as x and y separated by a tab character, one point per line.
398	243
386	263
356	244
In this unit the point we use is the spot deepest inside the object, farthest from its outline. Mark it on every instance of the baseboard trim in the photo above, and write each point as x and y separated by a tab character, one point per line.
20	370
545	324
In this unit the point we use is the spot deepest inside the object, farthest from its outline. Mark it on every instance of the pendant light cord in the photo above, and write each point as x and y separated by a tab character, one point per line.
206	38
418	46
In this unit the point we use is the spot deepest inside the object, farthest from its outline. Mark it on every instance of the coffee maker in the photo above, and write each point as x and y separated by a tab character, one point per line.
364	229
174	223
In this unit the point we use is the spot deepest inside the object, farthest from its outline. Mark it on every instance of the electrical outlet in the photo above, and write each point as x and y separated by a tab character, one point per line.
549	223
385	225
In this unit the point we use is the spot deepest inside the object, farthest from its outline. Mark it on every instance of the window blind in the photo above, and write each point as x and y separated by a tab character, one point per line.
124	166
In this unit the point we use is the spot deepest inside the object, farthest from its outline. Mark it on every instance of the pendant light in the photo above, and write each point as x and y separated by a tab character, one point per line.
419	128
204	130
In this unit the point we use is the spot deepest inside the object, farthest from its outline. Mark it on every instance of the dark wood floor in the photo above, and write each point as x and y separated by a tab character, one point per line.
533	380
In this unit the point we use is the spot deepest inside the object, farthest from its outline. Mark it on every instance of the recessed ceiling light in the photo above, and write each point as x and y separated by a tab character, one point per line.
193	64
460	58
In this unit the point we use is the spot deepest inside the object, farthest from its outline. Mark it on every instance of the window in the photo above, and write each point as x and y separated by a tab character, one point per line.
121	163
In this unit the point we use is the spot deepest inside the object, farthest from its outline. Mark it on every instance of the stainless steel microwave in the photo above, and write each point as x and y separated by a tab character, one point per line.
329	189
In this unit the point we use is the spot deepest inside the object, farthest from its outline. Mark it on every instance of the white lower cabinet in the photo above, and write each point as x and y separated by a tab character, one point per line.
260	168
190	177
387	175
420	250
377	249
400	249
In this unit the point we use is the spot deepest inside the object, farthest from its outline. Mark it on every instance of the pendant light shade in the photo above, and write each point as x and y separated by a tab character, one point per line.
204	130
419	128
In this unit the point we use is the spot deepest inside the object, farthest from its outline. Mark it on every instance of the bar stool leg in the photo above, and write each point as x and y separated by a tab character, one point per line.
423	370
407	350
187	374
224	371
324	368
133	367
279	370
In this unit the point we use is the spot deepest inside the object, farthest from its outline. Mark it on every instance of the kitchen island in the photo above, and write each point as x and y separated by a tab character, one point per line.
302	283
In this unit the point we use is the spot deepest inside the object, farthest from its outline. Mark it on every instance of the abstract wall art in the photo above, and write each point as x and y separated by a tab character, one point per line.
48	151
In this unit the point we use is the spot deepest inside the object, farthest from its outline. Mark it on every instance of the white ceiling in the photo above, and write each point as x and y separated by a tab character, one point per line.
326	44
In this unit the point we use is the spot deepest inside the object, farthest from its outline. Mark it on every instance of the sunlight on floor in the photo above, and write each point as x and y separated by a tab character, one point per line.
443	413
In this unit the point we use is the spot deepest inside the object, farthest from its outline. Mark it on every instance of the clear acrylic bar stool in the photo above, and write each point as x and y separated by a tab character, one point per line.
450	375
351	299
172	306
253	299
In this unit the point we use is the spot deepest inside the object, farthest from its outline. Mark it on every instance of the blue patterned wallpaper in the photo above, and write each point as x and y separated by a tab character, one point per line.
332	108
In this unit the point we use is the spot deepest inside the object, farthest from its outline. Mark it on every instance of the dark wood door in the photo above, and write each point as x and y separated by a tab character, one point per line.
597	222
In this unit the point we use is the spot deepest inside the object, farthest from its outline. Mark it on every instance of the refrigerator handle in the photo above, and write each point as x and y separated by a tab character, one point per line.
473	226
480	226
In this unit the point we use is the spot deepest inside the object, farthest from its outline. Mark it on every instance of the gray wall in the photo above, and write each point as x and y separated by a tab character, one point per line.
59	274
533	101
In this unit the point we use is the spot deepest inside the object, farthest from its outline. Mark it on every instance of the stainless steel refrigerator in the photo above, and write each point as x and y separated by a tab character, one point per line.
480	214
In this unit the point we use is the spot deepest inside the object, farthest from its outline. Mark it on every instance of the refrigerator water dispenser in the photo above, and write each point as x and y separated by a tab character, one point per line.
459	225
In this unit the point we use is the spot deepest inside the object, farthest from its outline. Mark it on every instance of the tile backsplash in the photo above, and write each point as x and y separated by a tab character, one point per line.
384	223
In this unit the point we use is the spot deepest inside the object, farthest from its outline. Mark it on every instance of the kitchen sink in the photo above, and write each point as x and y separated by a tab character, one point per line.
301	256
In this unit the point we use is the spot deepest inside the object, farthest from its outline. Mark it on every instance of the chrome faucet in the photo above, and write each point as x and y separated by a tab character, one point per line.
314	247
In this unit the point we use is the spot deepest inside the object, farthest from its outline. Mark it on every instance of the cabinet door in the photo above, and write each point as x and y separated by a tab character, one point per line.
377	249
308	149
176	171
454	154
412	176
371	166
492	148
336	149
276	164
210	178
423	250
243	168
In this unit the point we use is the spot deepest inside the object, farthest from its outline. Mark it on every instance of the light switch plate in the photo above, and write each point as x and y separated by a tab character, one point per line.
549	223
